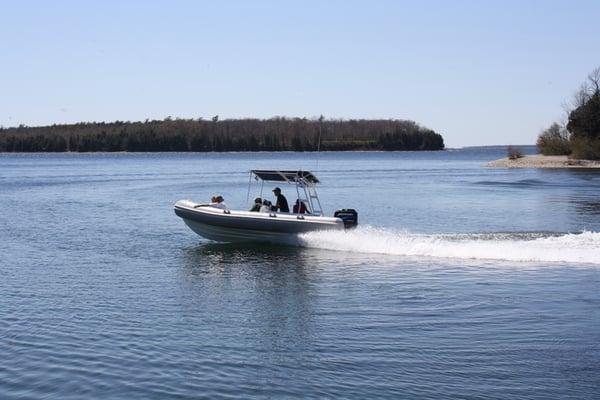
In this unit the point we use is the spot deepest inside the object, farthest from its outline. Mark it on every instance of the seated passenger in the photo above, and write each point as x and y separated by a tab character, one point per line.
219	203
299	207
257	205
213	203
266	207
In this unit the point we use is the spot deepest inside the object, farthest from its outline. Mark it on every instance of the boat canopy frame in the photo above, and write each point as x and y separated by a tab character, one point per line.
304	181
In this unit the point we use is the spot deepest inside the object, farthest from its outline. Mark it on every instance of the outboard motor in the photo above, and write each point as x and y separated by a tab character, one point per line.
349	216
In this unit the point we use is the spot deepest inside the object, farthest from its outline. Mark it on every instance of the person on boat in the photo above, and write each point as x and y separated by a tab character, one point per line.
299	207
219	203
213	202
266	206
281	204
257	205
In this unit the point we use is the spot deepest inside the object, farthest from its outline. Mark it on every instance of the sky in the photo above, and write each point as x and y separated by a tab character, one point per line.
478	72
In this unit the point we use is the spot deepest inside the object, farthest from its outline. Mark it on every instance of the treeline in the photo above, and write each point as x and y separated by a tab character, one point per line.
579	138
275	134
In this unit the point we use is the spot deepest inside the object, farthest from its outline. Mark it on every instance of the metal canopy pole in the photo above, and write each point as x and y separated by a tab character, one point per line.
248	194
285	179
298	194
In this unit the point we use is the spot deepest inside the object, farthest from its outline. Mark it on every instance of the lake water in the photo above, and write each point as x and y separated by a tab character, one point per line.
461	281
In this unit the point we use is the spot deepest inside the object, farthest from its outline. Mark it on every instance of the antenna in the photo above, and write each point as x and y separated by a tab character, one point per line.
321	118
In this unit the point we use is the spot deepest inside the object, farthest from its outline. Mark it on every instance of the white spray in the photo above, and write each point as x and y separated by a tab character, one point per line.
577	248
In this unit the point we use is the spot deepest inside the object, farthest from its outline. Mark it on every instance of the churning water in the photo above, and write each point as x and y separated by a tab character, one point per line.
460	282
571	248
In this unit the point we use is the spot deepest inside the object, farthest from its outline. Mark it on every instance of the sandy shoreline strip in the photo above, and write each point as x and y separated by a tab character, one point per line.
540	161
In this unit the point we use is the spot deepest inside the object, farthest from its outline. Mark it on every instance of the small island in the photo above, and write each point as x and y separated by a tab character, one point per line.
575	144
542	161
216	135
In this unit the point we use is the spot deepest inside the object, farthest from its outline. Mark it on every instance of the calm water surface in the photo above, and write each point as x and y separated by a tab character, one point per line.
462	282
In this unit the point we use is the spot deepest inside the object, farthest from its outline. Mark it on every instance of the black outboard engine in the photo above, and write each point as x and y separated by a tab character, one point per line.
349	216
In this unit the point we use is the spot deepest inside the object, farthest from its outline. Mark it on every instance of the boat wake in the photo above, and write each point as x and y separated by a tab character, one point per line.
545	247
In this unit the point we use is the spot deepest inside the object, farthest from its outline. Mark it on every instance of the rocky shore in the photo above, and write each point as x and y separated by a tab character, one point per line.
540	161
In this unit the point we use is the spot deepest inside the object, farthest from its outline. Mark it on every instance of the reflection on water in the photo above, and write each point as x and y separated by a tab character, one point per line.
275	288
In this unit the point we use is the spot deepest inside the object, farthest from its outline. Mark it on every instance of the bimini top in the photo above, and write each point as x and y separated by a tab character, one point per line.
285	176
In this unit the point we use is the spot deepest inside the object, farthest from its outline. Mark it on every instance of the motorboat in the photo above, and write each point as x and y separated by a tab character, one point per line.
226	225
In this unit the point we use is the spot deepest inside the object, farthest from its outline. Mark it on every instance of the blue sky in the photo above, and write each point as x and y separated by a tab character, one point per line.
479	72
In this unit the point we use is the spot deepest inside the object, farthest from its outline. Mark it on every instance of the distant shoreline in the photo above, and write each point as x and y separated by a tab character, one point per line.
198	135
227	151
541	161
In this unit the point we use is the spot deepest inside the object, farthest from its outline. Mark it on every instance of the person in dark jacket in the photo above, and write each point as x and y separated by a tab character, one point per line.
281	204
299	207
257	205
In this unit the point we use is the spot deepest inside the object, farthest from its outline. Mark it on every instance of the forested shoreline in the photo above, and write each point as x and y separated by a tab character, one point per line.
214	135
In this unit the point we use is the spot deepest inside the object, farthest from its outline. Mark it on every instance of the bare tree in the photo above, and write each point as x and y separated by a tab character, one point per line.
585	92
582	95
594	80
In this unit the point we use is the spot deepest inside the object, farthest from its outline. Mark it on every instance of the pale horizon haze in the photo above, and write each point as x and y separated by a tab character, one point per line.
479	73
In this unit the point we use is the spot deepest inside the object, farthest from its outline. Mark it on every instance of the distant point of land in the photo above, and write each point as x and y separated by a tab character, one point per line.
541	161
215	135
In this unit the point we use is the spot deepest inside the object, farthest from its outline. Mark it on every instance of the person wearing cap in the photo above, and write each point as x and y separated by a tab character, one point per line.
281	204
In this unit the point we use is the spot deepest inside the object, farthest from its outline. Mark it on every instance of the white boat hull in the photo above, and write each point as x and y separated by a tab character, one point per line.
244	226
